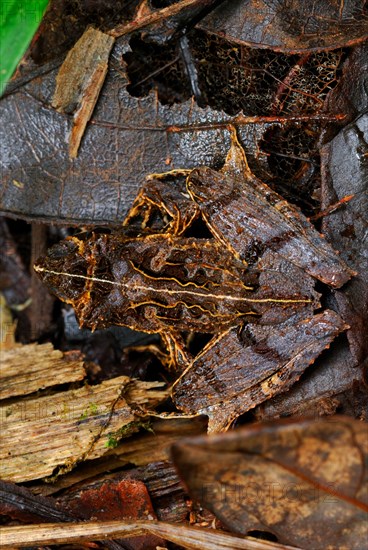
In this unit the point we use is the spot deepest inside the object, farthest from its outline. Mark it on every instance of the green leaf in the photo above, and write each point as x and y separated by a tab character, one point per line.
19	20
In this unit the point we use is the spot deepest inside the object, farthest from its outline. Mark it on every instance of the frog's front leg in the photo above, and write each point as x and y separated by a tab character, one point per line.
171	352
162	205
237	371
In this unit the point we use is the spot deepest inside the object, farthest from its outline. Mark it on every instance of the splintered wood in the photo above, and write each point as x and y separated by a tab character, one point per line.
49	434
43	433
80	80
27	369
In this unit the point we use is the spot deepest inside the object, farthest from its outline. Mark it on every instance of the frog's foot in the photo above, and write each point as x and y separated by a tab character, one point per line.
236	163
162	205
174	358
152	349
239	371
178	356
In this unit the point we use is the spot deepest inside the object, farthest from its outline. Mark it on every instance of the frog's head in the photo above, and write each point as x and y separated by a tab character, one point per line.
64	269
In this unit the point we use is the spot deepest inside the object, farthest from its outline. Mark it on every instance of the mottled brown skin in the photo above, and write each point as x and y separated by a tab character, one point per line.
251	285
162	282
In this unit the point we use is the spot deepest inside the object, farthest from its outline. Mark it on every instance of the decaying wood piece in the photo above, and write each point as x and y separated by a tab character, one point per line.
192	538
110	500
18	502
145	448
7	327
56	431
27	369
80	80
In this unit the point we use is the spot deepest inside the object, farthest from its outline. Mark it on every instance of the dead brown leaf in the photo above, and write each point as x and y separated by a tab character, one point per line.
291	26
303	481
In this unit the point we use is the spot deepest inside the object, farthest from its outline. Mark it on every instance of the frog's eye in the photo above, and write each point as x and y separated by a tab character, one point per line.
62	250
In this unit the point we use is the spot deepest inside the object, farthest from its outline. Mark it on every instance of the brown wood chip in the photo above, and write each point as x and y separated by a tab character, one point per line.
80	80
27	369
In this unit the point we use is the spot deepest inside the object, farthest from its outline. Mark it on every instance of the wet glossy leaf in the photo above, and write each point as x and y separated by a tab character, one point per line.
303	481
127	139
293	26
131	136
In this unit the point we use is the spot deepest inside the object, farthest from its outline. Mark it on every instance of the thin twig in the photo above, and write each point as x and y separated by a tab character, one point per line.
193	538
154	17
332	207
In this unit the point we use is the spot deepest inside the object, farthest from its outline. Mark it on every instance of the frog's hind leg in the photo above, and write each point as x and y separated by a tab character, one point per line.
239	370
243	212
162	205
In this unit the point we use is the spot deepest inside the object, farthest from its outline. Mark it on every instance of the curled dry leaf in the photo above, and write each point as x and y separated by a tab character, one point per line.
291	26
303	481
